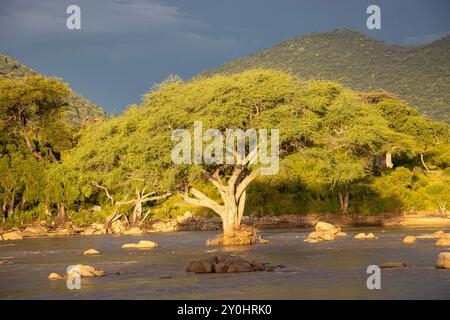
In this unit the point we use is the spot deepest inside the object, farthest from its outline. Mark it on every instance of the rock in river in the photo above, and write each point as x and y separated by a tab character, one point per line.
325	231
393	265
409	240
91	252
227	264
55	276
143	244
443	242
363	236
443	260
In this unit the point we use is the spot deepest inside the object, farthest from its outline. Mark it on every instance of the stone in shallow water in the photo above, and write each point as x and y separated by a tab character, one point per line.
91	252
388	265
325	231
363	236
55	276
443	242
228	264
443	260
409	240
143	244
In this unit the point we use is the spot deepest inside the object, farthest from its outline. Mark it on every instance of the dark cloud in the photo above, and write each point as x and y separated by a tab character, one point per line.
125	46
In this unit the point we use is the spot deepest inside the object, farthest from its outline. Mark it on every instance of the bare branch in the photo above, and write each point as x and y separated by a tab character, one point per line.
106	190
245	182
202	200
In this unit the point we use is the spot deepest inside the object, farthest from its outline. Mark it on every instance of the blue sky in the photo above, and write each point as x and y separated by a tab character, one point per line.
125	46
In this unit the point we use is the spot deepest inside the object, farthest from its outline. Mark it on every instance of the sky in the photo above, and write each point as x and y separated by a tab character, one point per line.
124	47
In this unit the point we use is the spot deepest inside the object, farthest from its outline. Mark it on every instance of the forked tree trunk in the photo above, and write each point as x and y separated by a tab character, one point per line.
233	194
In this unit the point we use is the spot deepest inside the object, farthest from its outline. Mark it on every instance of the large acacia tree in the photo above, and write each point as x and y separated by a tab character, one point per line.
132	152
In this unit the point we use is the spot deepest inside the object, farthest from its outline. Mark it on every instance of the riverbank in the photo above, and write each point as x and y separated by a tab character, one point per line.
189	222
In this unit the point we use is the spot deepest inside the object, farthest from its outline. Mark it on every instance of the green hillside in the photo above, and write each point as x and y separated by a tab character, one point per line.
79	108
418	75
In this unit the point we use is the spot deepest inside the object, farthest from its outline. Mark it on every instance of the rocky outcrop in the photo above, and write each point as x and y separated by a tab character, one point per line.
443	260
228	264
363	236
13	235
91	252
143	244
35	231
325	231
409	240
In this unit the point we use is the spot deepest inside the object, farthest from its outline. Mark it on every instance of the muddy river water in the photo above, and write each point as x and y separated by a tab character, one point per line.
326	270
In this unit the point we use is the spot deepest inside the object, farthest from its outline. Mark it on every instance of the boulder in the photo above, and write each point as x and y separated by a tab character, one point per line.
325	231
326	227
55	276
91	252
393	265
436	235
200	266
143	244
185	217
98	226
13	235
101	231
35	231
86	271
162	226
209	226
443	242
363	236
88	231
227	264
61	232
409	240
117	227
133	231
443	260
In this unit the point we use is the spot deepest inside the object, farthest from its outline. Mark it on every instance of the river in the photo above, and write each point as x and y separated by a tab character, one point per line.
326	270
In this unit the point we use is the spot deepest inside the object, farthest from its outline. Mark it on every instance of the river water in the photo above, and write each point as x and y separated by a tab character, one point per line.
326	270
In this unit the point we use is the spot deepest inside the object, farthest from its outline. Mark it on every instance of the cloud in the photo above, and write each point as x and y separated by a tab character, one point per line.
117	30
424	39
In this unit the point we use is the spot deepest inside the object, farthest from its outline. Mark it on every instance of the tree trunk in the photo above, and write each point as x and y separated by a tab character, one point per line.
31	147
137	210
11	205
233	193
343	201
61	215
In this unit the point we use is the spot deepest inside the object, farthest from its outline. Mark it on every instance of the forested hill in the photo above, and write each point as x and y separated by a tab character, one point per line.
79	108
418	75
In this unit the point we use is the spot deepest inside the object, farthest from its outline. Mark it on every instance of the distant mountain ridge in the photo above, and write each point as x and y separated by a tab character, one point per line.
419	75
79	108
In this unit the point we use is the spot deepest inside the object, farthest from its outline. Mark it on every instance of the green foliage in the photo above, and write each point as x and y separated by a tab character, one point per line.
416	74
78	108
329	138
